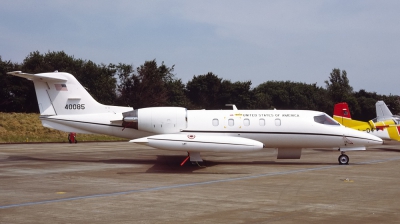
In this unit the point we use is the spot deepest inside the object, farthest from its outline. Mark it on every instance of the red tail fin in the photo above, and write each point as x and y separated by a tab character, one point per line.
342	110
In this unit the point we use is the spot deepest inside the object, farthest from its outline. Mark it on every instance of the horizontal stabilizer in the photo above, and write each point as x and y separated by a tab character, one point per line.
46	77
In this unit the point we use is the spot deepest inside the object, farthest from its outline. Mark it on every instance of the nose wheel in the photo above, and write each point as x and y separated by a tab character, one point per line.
343	159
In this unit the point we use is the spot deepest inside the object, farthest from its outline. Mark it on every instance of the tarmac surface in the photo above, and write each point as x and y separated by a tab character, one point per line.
118	182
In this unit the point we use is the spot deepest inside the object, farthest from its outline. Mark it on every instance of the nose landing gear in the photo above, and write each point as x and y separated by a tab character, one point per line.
343	159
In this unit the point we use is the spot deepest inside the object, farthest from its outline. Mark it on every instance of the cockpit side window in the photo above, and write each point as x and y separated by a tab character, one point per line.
325	119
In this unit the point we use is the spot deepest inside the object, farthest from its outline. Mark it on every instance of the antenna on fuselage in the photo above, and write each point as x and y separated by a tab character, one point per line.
233	106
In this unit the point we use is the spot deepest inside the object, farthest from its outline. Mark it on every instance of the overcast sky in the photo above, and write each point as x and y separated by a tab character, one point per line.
300	41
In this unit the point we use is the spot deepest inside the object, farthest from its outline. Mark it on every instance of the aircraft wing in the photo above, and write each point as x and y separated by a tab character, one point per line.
200	143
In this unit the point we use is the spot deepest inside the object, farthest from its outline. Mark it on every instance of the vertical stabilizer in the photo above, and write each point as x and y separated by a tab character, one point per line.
44	101
382	111
342	110
341	113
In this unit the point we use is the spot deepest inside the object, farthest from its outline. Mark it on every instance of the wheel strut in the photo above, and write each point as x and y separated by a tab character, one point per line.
184	161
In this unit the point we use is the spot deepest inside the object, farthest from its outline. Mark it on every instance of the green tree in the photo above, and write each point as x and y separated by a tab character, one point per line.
291	95
366	101
203	91
393	102
208	91
16	94
339	90
238	93
176	94
149	86
338	86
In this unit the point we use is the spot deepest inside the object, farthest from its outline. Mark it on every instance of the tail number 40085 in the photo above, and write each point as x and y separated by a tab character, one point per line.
75	106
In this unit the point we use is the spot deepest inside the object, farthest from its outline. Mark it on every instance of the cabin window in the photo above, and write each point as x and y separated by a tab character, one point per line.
277	122
262	122
325	119
231	122
246	122
215	122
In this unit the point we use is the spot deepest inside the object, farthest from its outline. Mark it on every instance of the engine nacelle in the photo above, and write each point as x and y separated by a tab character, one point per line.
159	120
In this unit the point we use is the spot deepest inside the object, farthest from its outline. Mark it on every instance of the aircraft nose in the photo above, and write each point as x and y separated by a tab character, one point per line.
374	140
364	138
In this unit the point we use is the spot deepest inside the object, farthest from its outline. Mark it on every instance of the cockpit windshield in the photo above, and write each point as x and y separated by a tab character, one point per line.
325	119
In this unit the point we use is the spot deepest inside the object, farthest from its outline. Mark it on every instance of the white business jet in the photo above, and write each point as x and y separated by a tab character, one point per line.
65	105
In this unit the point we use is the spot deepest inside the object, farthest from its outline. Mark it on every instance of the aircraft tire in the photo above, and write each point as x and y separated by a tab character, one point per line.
343	159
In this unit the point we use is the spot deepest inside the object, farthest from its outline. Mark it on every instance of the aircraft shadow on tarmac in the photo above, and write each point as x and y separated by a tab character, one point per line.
388	149
171	163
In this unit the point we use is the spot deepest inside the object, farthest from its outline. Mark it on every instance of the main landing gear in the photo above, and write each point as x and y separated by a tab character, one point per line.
343	159
194	157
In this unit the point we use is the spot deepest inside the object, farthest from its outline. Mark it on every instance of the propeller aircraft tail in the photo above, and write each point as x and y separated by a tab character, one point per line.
341	114
387	129
383	112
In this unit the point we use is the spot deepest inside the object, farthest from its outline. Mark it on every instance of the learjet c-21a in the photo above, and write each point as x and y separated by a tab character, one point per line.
65	105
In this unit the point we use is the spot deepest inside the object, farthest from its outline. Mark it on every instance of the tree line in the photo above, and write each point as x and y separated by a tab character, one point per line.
154	84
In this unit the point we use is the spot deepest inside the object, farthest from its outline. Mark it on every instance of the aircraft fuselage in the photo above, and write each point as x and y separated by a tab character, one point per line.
274	128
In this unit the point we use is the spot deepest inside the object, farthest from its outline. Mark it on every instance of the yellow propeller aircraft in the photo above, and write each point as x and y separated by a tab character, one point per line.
385	125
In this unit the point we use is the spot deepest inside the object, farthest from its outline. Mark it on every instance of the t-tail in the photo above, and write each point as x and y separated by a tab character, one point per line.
63	99
60	93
